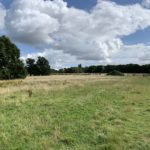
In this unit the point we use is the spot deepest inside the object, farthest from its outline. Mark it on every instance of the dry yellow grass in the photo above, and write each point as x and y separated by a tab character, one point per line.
49	82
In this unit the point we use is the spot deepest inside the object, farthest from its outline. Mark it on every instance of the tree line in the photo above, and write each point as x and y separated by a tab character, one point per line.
128	68
11	67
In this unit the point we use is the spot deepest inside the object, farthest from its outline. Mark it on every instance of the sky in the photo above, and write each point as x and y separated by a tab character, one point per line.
72	32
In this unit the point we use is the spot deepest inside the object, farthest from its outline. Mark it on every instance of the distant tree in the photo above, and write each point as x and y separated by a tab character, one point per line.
91	69
61	71
128	68
43	66
39	67
79	69
145	68
11	67
30	62
80	66
54	71
109	68
99	69
70	70
32	67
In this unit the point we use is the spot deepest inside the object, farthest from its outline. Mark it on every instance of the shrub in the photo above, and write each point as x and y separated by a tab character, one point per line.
115	73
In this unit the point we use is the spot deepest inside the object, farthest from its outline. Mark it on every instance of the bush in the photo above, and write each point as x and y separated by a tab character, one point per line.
115	73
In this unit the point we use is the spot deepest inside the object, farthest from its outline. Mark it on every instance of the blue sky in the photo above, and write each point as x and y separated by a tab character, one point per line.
141	36
83	4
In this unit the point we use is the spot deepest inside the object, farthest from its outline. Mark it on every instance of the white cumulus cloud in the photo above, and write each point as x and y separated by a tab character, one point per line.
146	3
137	53
94	35
58	59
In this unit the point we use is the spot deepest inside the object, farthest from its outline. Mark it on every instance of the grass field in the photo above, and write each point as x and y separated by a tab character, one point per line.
75	112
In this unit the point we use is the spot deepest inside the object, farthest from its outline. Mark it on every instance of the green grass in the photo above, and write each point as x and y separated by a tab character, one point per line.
102	115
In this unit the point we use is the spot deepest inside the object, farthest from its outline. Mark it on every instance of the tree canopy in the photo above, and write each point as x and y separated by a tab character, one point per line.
11	67
39	67
128	68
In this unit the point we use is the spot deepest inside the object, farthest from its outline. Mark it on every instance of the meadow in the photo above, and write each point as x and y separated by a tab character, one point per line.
75	112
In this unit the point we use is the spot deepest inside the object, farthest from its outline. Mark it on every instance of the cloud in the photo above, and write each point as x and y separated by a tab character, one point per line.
2	16
137	53
28	21
58	59
94	35
52	55
146	3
